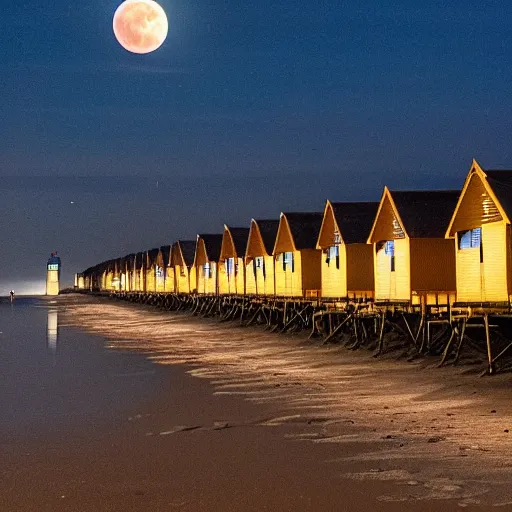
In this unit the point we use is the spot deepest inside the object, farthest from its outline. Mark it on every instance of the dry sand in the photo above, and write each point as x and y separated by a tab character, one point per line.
390	435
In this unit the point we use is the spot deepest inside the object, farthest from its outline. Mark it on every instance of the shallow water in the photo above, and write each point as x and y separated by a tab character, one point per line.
57	382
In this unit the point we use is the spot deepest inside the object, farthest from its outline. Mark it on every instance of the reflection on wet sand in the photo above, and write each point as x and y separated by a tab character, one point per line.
52	330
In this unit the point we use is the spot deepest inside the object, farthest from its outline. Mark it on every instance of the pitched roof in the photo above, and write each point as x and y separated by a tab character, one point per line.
501	184
268	230
425	213
212	244
304	228
152	255
239	236
188	250
355	220
166	251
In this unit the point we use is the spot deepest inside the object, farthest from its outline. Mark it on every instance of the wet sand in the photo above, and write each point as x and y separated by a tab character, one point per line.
272	423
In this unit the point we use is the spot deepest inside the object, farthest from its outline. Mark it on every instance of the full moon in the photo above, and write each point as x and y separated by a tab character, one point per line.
140	26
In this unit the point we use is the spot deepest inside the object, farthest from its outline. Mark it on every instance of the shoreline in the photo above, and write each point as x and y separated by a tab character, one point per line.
437	434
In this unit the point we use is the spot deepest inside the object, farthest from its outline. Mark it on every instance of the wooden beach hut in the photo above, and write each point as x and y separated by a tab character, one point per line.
182	261
297	260
259	259
127	272
481	233
150	266
206	261
347	260
232	261
413	262
161	267
138	272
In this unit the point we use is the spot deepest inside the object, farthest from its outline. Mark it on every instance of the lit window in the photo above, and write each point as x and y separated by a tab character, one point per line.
288	262
470	239
389	249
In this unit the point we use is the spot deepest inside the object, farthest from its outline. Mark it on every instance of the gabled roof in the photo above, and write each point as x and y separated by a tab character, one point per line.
501	184
139	260
425	214
420	213
486	200
239	237
212	245
152	255
304	228
268	231
354	220
166	251
188	250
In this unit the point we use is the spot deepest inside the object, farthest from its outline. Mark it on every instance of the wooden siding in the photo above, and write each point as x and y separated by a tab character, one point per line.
468	273
432	265
207	285
193	279
311	261
402	269
250	278
182	277
494	266
476	207
486	281
150	280
393	285
269	283
384	279
169	280
240	276
359	269
334	277
289	280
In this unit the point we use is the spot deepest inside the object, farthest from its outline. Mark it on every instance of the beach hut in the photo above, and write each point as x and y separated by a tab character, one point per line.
480	230
206	260
126	272
150	267
161	267
182	261
232	261
138	272
297	260
413	262
347	261
259	260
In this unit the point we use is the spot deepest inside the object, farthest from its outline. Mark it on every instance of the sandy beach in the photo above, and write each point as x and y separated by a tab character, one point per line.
149	410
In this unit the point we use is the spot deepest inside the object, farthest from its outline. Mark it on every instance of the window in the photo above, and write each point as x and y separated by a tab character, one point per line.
470	239
288	262
389	249
230	266
333	253
207	270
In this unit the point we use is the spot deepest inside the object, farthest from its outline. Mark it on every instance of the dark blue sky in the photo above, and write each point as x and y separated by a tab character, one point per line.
249	108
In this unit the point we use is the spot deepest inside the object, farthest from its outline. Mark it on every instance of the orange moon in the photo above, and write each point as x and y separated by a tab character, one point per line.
140	26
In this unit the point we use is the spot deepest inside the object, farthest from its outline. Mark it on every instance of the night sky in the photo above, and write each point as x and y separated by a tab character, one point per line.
248	109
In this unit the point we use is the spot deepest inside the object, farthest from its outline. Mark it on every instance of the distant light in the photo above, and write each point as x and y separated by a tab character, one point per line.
72	202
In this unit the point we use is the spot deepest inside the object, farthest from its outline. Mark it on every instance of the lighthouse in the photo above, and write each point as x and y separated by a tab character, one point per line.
53	274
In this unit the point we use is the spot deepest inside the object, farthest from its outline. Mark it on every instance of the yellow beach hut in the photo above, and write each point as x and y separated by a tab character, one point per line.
259	260
182	260
127	272
413	262
232	261
161	268
150	269
206	260
347	261
480	230
297	260
138	272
